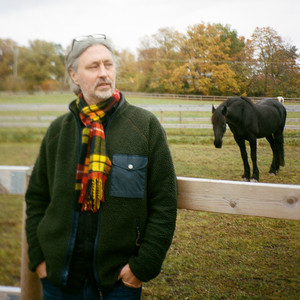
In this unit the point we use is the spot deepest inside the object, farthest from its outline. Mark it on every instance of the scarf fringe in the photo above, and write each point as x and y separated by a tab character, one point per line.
94	194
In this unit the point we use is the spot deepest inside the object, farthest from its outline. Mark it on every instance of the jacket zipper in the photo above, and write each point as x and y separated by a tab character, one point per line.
95	253
70	247
138	233
96	275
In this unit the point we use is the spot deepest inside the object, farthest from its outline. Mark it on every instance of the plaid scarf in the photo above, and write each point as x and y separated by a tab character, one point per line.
93	165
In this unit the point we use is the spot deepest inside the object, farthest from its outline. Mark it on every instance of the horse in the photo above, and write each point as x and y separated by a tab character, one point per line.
249	121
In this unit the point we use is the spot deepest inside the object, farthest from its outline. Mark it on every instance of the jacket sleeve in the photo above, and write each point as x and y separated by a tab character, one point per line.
37	199
162	207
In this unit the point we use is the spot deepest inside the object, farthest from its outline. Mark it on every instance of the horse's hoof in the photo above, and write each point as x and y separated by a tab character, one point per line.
272	174
245	179
253	180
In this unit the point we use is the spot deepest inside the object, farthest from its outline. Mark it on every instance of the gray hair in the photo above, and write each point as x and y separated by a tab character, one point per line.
77	48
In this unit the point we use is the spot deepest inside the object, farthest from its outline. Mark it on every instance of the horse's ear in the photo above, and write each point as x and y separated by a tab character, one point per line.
213	109
224	110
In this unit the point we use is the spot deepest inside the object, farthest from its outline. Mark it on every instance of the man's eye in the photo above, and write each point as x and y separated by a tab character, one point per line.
92	67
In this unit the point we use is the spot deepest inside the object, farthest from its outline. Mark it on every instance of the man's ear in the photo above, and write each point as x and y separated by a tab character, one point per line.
73	75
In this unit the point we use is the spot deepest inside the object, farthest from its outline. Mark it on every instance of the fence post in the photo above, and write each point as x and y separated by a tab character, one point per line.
161	116
31	288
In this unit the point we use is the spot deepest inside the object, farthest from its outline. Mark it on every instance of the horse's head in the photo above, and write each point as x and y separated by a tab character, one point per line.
219	124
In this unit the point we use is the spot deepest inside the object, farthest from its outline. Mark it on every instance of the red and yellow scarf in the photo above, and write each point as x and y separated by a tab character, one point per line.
93	165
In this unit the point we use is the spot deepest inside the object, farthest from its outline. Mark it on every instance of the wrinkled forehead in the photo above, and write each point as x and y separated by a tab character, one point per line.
96	53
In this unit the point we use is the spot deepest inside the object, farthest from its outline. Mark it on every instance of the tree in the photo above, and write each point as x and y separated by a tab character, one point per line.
196	62
9	66
286	72
127	75
209	51
40	62
169	60
147	55
276	67
158	57
208	59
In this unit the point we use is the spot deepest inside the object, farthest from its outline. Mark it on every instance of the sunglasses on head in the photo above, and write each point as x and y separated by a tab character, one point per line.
86	37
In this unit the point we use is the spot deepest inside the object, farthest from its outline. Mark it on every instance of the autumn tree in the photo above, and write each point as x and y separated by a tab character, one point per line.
286	72
208	50
146	56
241	60
6	58
276	67
127	71
9	78
198	61
158	57
169	59
208	59
41	62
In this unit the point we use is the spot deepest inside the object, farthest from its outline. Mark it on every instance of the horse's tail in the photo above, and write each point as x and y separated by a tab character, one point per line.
279	139
279	143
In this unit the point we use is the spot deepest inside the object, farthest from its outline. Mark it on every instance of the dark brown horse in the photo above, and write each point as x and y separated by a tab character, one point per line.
249	121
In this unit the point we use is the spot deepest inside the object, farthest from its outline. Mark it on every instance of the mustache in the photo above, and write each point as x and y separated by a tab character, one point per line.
102	80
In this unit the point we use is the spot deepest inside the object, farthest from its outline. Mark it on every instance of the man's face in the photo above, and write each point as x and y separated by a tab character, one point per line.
96	74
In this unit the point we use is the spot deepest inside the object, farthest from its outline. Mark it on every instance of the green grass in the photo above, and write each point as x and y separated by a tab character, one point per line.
21	135
205	161
38	98
213	256
10	237
18	154
217	256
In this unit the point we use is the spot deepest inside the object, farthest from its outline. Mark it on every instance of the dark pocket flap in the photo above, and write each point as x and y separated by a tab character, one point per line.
128	176
130	162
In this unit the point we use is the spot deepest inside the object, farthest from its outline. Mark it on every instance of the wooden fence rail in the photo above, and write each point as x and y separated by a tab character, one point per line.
232	197
242	198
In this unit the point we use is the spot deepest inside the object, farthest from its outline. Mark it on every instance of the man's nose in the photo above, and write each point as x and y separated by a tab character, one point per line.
102	72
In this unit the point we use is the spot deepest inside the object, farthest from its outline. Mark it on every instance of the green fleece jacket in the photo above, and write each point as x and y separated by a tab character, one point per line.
137	220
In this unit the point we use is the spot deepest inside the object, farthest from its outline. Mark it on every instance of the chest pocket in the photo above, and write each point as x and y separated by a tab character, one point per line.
128	176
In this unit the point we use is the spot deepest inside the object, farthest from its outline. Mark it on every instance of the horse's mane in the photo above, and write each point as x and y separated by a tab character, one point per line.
218	115
247	100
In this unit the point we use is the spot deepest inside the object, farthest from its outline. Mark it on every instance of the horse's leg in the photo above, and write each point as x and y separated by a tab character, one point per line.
253	147
241	143
275	161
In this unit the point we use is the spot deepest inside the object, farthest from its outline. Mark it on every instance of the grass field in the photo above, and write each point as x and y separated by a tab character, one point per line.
213	256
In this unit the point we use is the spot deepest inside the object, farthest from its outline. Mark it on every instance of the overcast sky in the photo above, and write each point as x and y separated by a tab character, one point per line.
128	21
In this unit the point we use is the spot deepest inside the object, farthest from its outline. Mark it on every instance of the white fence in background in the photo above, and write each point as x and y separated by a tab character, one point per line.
40	120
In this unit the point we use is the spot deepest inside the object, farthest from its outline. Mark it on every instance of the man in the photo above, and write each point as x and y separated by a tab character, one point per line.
101	201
